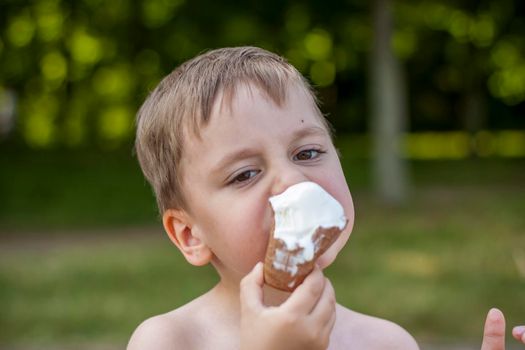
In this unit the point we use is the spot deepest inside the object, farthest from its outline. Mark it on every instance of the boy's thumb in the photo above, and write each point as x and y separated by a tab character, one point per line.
251	288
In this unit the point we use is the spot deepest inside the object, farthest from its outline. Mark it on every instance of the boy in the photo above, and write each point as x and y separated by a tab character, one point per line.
219	136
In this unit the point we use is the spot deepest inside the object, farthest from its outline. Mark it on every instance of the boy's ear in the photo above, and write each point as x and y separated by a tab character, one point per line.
178	226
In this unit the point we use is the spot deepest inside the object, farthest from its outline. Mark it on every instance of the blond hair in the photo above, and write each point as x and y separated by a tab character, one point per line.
182	102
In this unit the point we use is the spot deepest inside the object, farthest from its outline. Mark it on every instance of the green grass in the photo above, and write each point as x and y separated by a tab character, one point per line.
435	265
439	264
91	292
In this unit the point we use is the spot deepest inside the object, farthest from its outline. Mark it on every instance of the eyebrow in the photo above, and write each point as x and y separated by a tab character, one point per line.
309	131
232	157
251	152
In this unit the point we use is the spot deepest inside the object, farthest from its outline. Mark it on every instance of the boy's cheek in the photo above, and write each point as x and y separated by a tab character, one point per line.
249	234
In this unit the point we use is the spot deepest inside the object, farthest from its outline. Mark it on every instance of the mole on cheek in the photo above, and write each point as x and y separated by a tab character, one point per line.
302	121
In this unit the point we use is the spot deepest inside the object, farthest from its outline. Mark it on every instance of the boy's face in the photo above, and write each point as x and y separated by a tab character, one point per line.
252	150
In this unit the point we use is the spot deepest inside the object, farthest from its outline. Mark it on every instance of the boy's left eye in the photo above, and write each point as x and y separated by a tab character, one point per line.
244	177
307	154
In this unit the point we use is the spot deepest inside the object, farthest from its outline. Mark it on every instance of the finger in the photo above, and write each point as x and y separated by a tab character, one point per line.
306	296
325	308
328	257
328	327
251	294
519	333
494	332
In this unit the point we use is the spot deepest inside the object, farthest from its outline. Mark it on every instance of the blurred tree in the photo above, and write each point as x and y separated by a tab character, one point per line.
79	69
388	117
471	57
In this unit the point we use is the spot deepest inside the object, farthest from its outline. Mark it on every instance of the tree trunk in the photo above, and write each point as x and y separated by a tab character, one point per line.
388	108
474	111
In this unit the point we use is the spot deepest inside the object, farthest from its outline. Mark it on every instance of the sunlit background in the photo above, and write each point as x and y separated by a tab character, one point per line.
440	227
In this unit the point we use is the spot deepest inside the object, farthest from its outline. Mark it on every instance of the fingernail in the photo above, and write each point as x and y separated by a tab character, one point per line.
495	313
518	330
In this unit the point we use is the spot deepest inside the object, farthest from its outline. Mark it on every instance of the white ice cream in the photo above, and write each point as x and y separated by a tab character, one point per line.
299	212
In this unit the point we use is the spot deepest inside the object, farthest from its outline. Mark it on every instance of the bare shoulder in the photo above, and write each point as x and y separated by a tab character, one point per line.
155	332
172	330
199	324
358	331
166	331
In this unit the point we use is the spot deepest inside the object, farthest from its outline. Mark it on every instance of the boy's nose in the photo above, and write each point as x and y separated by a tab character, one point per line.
286	177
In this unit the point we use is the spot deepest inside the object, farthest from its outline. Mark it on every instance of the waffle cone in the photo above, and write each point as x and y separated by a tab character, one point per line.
282	278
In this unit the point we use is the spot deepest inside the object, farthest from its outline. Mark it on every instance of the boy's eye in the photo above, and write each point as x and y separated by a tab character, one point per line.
307	154
244	176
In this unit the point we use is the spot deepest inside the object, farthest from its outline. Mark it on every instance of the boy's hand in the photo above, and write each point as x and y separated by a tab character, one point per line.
304	321
494	332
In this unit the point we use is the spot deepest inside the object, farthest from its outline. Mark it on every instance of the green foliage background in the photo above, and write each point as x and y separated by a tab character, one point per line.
80	69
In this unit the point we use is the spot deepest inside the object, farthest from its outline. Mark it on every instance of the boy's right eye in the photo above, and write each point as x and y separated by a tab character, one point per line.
244	177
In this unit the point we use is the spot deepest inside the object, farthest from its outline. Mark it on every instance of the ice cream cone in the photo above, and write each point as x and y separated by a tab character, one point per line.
281	269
